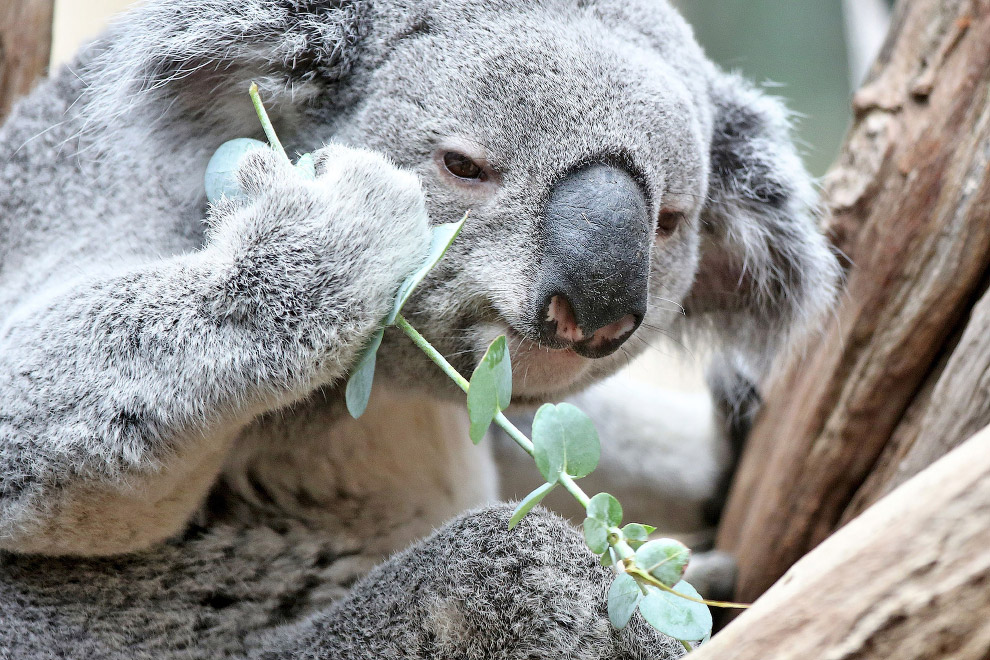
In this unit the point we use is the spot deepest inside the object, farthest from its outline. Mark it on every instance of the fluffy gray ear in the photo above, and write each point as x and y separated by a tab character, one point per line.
765	269
189	56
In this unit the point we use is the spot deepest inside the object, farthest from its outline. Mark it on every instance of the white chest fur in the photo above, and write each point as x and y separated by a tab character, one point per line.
386	479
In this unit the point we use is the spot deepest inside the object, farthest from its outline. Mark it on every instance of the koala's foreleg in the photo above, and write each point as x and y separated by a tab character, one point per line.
121	392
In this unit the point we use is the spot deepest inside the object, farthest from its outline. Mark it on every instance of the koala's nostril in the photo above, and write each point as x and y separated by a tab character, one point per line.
562	327
614	332
563	324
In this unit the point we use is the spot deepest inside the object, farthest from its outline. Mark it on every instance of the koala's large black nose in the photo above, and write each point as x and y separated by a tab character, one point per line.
593	283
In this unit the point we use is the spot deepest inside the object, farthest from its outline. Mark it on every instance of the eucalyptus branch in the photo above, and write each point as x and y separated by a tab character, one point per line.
615	535
564	444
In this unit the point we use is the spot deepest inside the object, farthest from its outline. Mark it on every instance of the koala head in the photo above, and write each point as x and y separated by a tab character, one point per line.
620	186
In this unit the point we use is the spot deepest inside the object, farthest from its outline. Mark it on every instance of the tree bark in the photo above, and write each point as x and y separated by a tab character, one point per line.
901	373
25	46
910	578
940	418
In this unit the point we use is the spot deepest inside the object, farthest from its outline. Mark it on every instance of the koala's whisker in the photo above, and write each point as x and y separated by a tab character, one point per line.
665	333
659	351
674	302
627	355
677	310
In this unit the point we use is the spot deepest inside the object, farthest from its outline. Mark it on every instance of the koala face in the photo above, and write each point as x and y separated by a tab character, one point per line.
620	186
582	156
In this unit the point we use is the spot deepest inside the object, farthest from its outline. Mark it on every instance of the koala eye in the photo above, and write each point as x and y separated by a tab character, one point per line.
463	167
667	221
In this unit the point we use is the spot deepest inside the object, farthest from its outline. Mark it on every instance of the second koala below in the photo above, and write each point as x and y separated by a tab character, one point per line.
178	475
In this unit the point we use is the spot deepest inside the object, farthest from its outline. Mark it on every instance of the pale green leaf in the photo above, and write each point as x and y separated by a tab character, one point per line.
664	559
358	389
675	616
528	503
624	595
636	534
606	508
490	388
595	535
220	179
441	238
564	441
306	167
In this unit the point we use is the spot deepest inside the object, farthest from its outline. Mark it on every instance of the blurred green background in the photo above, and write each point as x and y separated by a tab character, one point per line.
797	48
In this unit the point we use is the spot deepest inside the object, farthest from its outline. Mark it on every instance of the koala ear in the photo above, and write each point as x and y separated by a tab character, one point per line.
765	270
193	57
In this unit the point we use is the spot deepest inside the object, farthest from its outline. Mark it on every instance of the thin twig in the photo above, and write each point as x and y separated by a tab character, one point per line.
266	123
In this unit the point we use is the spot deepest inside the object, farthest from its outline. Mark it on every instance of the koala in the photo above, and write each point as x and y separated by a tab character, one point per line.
179	477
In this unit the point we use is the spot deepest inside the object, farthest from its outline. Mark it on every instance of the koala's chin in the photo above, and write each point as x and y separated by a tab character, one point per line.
541	373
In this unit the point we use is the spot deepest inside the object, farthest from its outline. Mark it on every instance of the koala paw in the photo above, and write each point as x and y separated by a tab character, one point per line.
327	248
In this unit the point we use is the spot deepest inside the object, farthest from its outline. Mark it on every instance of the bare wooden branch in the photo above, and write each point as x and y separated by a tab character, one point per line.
910	578
957	407
25	45
910	201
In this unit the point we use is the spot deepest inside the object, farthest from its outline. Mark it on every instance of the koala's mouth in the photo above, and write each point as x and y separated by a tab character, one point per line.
540	371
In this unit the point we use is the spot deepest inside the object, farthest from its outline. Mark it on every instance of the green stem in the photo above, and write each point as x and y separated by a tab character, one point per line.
432	353
568	483
503	423
500	420
622	548
266	123
646	577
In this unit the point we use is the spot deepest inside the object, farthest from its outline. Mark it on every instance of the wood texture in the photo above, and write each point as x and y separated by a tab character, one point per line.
939	419
25	44
910	208
910	578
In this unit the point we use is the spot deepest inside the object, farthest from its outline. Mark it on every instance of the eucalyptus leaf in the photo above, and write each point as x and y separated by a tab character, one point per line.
608	558
490	389
441	238
306	167
664	559
624	595
674	616
564	441
636	534
606	508
595	535
358	389
221	179
528	503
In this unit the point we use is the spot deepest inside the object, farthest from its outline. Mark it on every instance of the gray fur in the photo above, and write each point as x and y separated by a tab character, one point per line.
170	389
471	590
